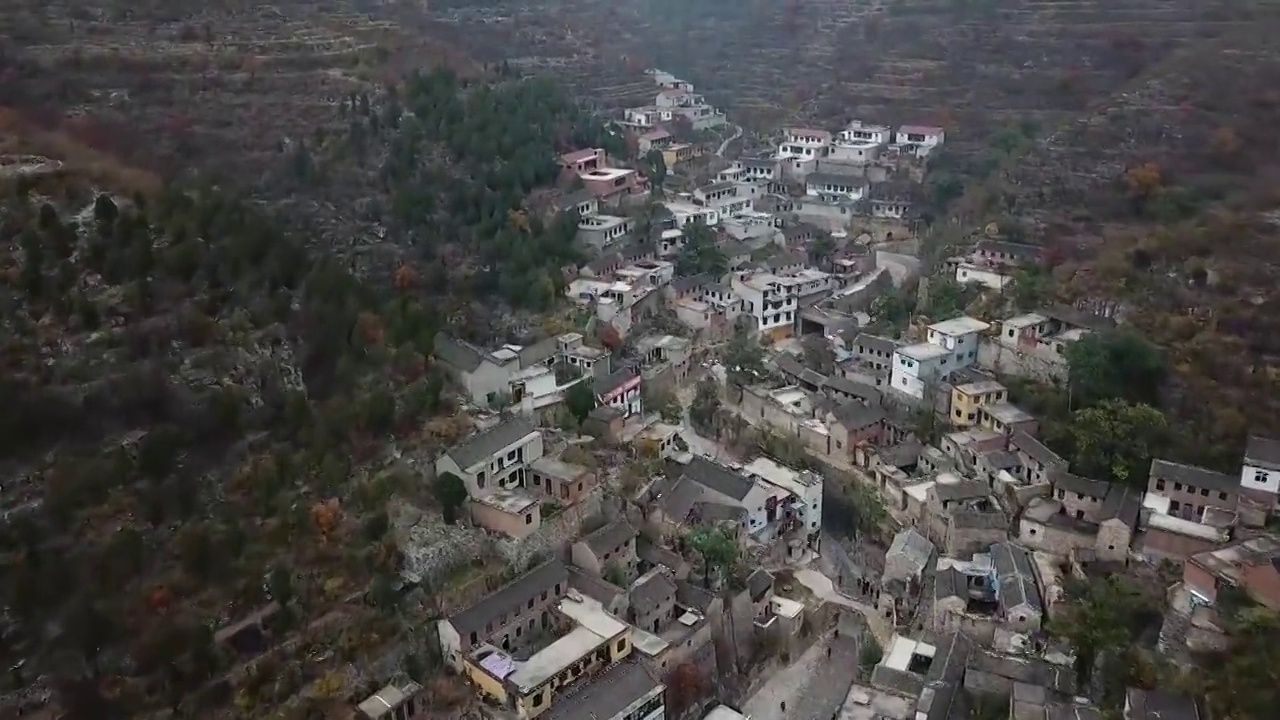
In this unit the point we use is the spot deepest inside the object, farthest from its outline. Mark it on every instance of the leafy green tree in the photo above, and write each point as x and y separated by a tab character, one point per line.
705	406
1243	683
1117	364
656	169
744	358
451	492
580	399
663	402
1116	440
718	549
1102	616
700	253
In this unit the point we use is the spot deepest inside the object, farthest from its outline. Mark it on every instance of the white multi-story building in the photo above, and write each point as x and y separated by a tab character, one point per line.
800	151
835	188
949	346
686	212
805	486
728	198
923	138
495	459
771	300
859	143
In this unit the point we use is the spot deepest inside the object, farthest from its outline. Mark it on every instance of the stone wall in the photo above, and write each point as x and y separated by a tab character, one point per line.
432	549
555	535
1004	360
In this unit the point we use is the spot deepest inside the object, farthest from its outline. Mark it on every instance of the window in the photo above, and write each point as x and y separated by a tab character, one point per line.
1031	532
537	700
474	638
557	589
530	603
1222	496
1204	492
480	480
1177	486
1111	547
622	645
1260	477
1160	484
544	595
528	519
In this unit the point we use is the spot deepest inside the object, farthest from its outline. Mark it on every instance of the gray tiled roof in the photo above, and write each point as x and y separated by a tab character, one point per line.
963	490
610	536
539	352
689	595
608	383
1015	576
658	555
483	444
854	415
651	590
1080	485
1160	705
1192	475
951	658
1262	451
1035	449
939	700
759	583
1031	671
913	547
820	178
875	342
1072	712
950	583
604	696
596	588
718	478
510	597
862	390
979	520
1020	250
1123	504
679	497
460	355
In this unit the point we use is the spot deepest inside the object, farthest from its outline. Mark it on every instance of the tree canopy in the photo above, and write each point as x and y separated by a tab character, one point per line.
1115	365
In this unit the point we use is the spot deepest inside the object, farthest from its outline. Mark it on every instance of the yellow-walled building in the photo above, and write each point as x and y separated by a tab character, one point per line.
596	642
967	398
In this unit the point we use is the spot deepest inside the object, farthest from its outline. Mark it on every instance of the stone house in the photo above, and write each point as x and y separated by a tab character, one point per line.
514	513
1017	590
564	482
969	530
510	617
612	546
905	563
1039	463
1191	490
653	600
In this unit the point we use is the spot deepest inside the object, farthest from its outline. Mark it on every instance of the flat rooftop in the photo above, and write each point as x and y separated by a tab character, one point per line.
922	352
902	649
981	387
509	501
556	468
606	173
1008	413
784	477
595	628
959	326
1021	321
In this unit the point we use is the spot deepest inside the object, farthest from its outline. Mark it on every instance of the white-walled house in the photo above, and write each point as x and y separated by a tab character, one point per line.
800	151
960	337
988	277
495	459
858	131
835	188
915	367
1260	473
923	137
805	486
949	346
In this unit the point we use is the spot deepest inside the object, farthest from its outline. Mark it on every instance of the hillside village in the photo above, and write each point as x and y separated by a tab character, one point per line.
736	467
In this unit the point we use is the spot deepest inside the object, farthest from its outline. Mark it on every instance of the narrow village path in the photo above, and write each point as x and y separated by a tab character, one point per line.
813	687
737	133
823	587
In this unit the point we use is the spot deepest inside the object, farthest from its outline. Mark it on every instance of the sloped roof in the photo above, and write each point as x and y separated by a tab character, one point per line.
510	597
456	353
539	352
484	444
1035	449
1123	504
1080	485
606	695
913	547
759	583
610	536
1192	475
950	583
1262	451
651	589
855	415
718	478
862	390
1015	576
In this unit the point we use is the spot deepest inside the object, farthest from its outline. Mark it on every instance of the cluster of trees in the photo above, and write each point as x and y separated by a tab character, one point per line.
460	161
132	545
